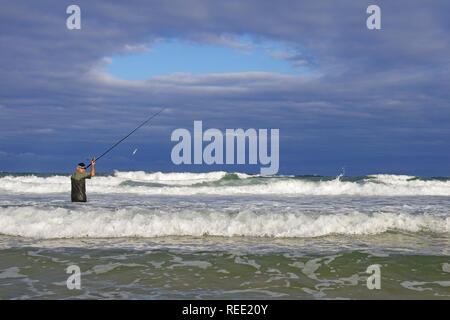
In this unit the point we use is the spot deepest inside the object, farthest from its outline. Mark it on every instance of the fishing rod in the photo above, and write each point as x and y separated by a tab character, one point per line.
115	144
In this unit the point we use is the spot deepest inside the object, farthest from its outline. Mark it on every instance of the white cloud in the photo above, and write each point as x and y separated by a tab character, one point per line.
225	40
139	48
44	130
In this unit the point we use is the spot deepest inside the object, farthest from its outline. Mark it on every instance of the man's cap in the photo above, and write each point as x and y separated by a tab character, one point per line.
82	165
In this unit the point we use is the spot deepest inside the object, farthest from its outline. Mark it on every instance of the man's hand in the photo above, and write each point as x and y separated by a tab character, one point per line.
92	167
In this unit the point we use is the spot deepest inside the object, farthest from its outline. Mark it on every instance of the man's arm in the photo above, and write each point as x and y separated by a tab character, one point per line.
92	167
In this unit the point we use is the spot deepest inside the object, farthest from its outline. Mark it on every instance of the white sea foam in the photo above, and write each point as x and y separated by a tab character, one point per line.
142	183
12	272
173	178
54	222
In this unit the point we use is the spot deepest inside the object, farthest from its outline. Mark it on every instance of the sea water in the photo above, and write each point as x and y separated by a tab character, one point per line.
221	235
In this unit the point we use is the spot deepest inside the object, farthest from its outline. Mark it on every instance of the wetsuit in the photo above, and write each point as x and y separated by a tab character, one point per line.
79	186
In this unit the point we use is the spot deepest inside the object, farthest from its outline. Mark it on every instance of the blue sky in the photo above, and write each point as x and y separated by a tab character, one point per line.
169	56
372	101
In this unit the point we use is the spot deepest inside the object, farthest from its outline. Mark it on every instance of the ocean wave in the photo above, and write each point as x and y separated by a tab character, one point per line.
178	178
58	222
223	183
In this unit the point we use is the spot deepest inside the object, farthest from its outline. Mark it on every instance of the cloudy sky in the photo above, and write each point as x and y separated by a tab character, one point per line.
372	101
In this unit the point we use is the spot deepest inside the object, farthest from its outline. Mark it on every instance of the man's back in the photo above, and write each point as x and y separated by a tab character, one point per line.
78	180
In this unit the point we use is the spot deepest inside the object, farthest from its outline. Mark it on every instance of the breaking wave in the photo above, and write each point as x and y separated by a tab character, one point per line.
58	222
223	183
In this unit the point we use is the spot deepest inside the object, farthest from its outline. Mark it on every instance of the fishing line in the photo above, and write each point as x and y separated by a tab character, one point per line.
115	144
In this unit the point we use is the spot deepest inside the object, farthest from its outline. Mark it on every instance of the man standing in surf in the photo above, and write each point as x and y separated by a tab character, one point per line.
79	181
